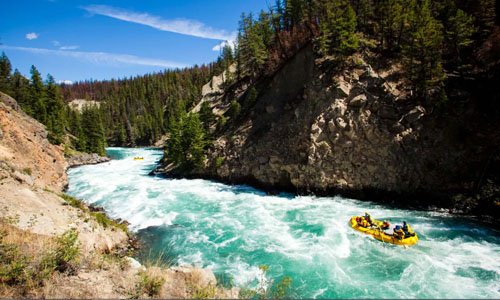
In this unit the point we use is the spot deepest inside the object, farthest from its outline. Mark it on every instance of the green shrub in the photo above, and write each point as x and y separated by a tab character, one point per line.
101	219
64	256
234	110
106	222
205	292
221	123
219	161
13	265
72	201
149	285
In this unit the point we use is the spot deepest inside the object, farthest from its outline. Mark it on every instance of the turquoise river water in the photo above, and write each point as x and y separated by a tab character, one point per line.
234	229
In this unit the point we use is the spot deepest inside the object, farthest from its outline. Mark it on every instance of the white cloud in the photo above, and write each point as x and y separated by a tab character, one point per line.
181	26
63	47
69	47
220	46
32	36
102	57
67	82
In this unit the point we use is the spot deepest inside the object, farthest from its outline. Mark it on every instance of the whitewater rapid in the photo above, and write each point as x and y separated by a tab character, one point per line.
234	229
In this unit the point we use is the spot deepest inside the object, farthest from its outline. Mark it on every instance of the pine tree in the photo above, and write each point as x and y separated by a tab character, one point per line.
459	33
337	28
364	13
5	74
423	50
207	117
93	131
56	120
250	98
234	110
20	89
485	16
391	17
186	144
75	127
36	105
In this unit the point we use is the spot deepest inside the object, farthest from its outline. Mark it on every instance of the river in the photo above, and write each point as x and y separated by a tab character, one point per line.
235	229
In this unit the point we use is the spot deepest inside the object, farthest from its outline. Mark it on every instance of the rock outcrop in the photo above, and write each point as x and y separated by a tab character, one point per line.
357	131
32	174
81	159
25	152
81	104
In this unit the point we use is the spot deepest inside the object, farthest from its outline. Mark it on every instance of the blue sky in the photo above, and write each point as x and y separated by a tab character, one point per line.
77	40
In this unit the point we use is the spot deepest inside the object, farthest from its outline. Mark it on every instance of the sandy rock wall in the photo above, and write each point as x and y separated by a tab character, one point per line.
25	152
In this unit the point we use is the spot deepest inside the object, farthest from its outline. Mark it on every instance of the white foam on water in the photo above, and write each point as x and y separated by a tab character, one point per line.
236	229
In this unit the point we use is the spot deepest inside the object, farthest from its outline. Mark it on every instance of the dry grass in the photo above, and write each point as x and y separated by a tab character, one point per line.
20	253
200	289
37	266
28	260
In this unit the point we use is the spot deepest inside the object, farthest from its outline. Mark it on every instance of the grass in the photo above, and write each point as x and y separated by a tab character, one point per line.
28	260
150	283
64	256
72	201
200	290
100	217
205	292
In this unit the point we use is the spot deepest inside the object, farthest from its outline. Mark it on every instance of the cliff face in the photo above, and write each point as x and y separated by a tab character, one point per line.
25	152
318	127
32	174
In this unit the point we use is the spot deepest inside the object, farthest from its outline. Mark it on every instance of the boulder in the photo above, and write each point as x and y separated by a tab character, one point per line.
358	101
415	114
9	101
341	123
343	88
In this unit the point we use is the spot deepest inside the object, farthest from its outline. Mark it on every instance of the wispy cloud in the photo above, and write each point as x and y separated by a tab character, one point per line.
32	36
181	26
61	47
69	47
101	57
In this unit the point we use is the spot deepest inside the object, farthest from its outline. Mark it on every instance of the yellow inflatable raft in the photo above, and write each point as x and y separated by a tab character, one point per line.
380	235
138	158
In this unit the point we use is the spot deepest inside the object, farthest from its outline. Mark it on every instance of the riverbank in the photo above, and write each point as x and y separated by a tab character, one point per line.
54	246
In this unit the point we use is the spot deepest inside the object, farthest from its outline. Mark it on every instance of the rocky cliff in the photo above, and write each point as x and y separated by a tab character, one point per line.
25	152
354	128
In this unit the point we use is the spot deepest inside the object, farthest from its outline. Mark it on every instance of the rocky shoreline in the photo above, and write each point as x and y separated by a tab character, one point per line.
81	159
